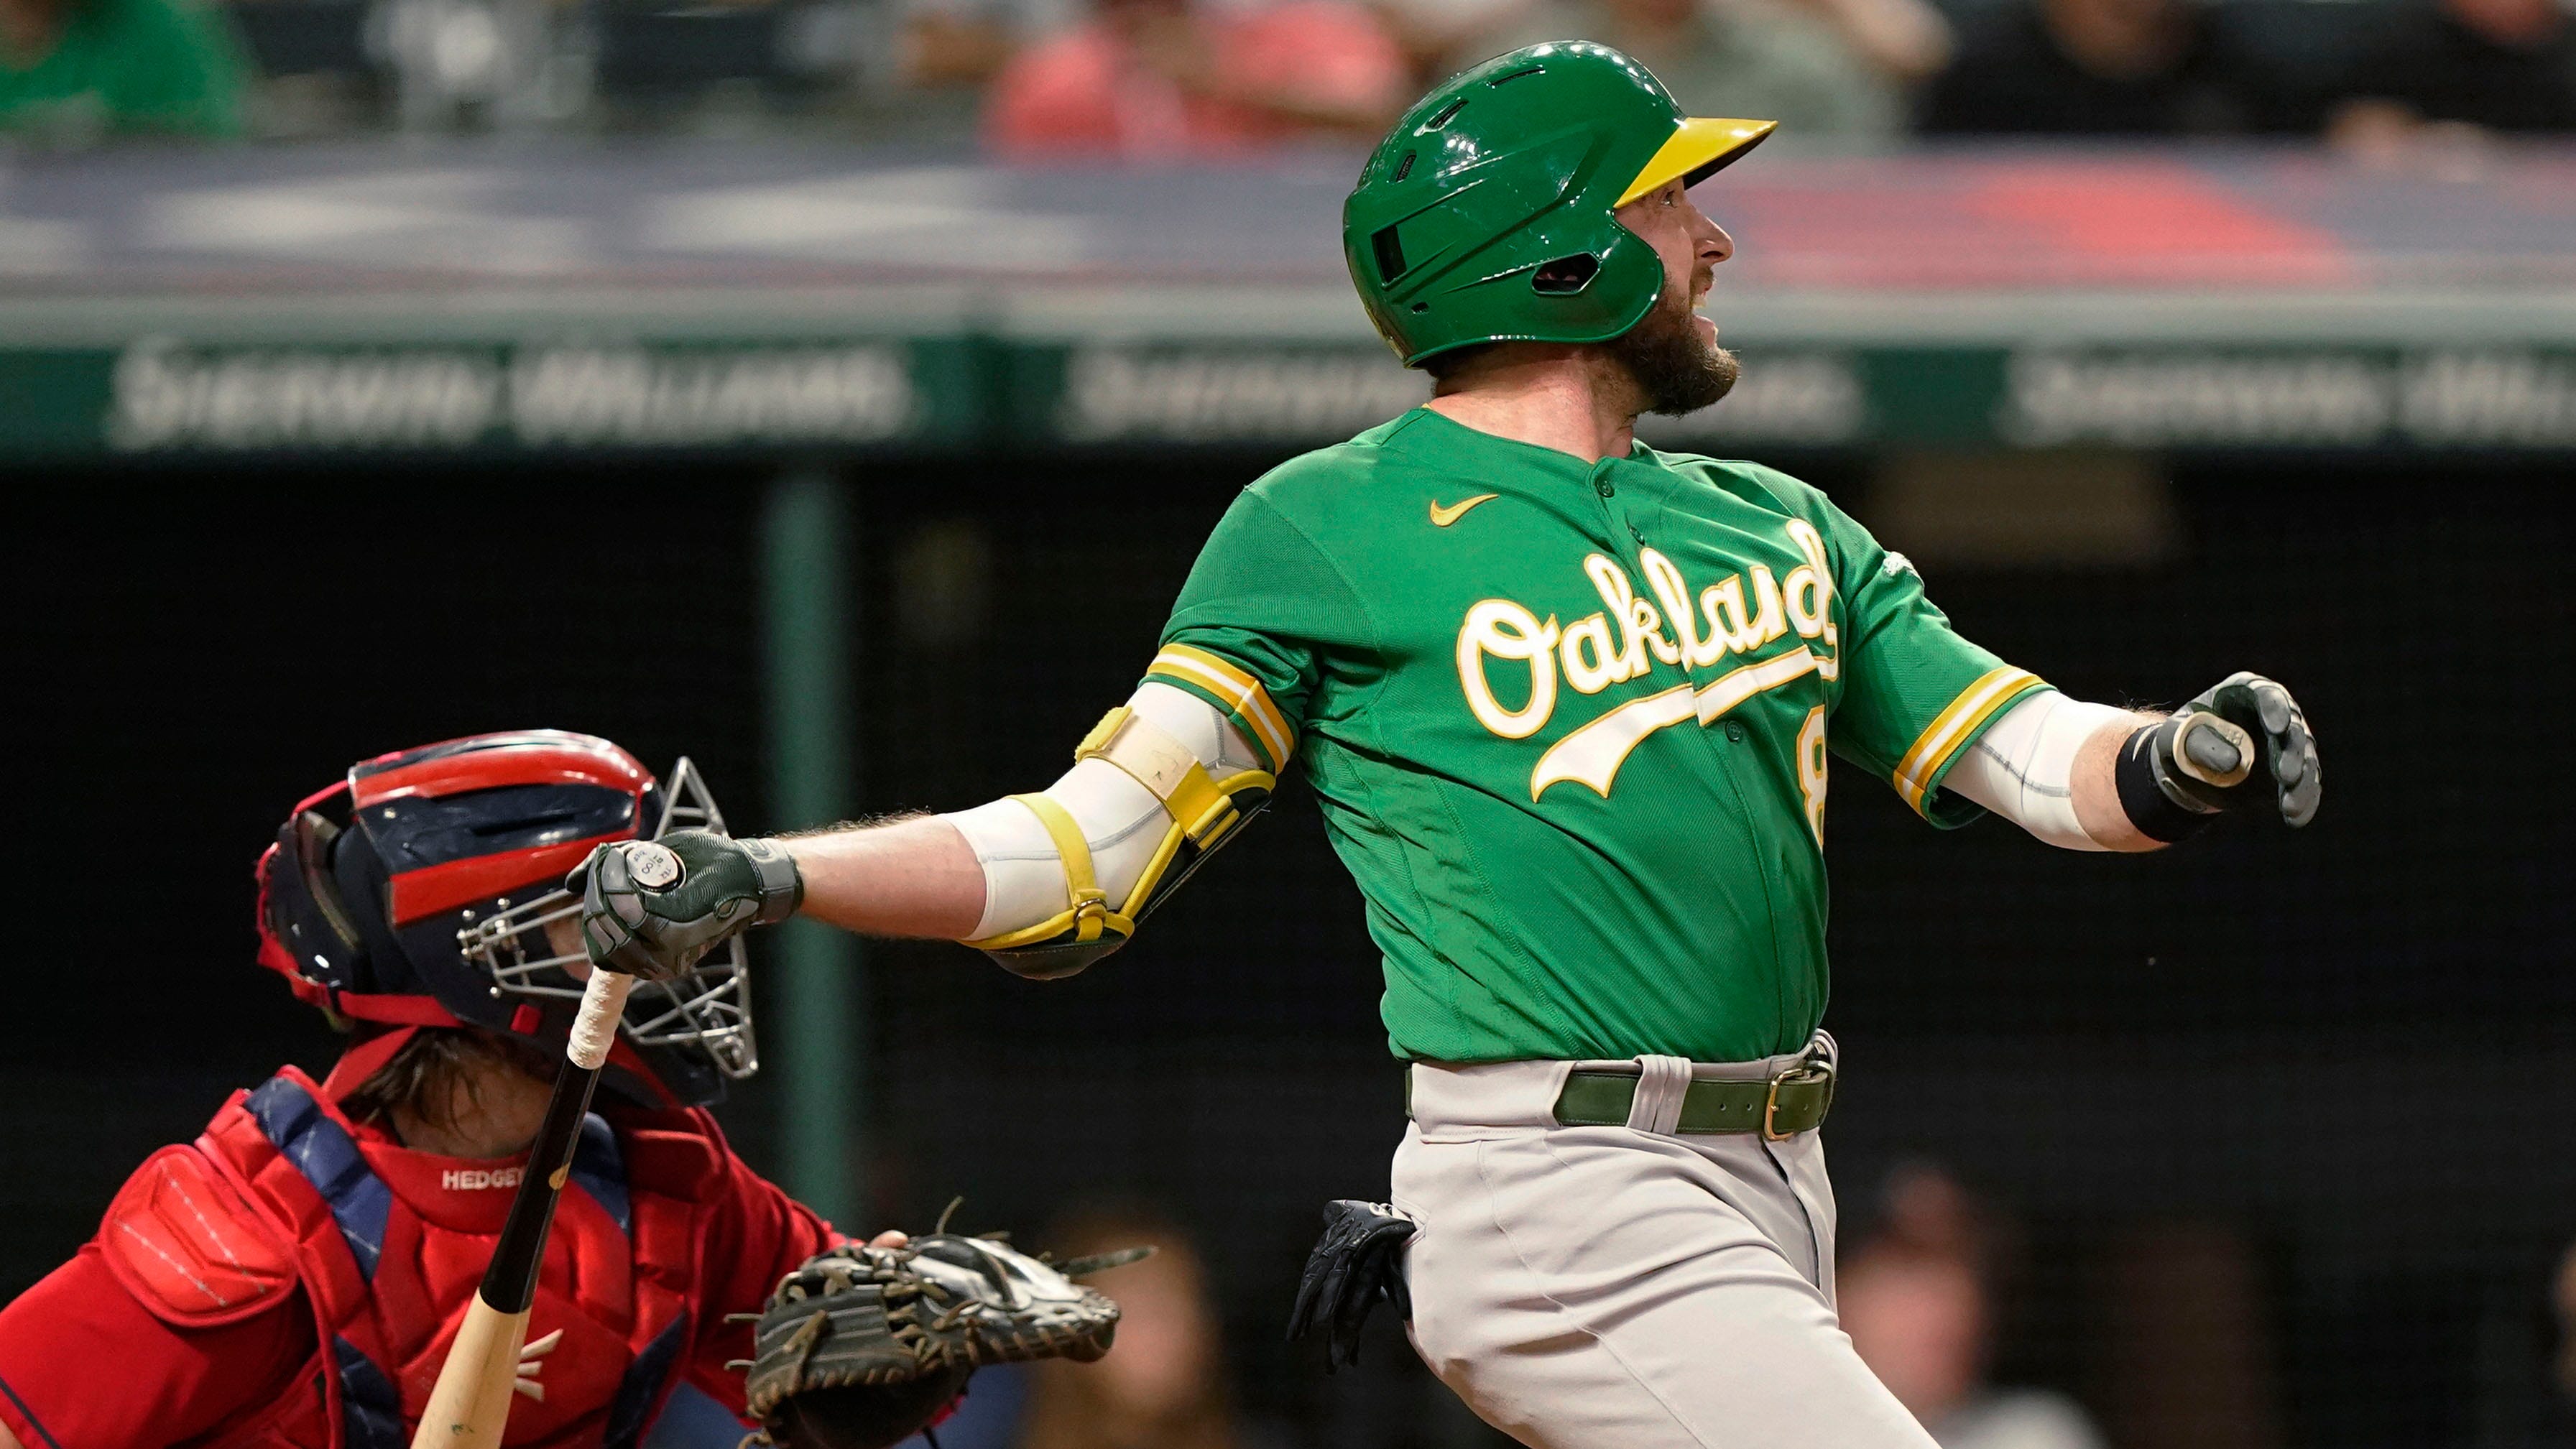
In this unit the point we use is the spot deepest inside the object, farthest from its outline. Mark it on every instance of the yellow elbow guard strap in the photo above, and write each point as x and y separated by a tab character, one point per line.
1202	814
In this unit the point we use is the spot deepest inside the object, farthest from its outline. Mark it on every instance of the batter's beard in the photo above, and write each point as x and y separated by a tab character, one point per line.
1677	372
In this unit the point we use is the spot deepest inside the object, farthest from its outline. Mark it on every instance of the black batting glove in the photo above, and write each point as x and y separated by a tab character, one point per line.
2241	746
654	908
1357	1264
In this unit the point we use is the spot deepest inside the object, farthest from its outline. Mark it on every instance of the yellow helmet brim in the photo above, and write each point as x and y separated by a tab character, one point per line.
1699	146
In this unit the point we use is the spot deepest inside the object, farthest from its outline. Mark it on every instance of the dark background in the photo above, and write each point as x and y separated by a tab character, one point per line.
2340	1066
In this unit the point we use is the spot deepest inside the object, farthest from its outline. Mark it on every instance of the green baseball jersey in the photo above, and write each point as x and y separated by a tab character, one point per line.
1568	725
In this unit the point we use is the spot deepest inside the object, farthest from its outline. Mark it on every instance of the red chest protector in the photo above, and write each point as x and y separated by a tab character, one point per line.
389	1245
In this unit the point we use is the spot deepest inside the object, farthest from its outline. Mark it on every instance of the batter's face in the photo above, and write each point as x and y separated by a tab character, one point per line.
1673	353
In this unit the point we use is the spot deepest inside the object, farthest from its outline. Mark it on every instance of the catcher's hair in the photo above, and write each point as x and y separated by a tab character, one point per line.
437	1076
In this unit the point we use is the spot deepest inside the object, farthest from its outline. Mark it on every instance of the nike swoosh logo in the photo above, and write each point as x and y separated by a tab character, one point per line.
1443	517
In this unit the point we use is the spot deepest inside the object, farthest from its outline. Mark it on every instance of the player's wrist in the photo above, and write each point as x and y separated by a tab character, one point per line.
776	876
2150	792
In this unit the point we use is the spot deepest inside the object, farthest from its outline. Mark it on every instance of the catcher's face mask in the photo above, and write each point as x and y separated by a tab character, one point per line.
704	1012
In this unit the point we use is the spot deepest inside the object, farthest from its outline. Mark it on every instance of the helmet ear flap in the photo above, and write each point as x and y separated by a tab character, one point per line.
314	845
310	933
1599	286
1633	270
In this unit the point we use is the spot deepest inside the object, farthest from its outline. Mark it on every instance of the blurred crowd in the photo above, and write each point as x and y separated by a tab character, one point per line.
1919	1295
1146	80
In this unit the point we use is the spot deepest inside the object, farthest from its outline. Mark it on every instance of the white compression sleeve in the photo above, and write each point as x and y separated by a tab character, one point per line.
1121	820
2023	767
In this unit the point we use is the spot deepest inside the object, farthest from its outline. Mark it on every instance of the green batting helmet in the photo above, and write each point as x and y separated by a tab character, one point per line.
1485	215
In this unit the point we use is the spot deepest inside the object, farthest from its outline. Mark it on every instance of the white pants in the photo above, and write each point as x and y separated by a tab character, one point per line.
1625	1288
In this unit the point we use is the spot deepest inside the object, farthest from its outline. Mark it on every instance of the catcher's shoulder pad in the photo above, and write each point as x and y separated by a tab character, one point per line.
189	1247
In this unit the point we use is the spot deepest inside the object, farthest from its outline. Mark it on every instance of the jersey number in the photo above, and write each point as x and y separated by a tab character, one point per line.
1811	771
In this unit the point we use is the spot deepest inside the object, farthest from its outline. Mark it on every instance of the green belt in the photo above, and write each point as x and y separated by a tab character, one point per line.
1793	1102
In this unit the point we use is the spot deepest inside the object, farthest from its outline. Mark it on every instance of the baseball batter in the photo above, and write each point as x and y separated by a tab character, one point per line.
1566	703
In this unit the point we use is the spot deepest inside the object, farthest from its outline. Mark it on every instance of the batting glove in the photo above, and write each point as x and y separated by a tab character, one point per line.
2243	745
653	908
1357	1264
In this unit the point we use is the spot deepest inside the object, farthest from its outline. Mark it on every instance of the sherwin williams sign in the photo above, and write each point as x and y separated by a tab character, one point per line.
169	395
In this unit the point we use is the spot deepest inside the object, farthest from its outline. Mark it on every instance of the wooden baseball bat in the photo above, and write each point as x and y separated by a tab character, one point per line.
470	1405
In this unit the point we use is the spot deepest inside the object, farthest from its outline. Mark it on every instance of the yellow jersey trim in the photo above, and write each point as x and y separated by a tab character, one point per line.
1241	694
1953	727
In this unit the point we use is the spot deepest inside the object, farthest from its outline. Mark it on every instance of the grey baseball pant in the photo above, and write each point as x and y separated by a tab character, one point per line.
1629	1287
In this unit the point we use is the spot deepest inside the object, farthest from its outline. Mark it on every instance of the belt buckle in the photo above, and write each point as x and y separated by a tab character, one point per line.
1804	1071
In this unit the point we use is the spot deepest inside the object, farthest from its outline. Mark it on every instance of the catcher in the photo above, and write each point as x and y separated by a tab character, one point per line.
294	1276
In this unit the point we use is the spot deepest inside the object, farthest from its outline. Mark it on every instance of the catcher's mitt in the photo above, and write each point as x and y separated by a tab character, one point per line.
863	1347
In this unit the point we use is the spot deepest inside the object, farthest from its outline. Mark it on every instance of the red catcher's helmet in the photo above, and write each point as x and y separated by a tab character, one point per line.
419	892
